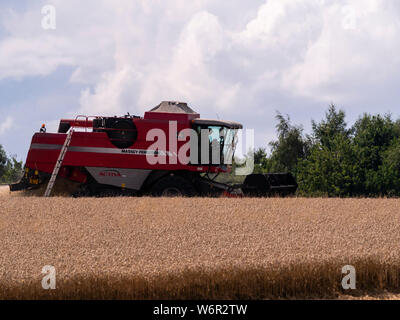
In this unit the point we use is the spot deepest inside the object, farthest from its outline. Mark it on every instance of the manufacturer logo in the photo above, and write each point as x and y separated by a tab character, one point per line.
109	173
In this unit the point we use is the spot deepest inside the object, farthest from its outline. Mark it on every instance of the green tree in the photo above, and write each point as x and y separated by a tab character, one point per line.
336	161
334	124
389	171
373	137
260	160
3	161
330	168
10	168
329	171
289	148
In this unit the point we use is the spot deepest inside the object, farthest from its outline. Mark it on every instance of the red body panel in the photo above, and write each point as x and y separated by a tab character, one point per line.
94	149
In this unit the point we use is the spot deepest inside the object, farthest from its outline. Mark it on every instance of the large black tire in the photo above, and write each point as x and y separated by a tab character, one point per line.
123	134
173	186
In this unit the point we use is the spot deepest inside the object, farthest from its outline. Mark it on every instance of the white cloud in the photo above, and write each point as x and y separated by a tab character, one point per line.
28	50
22	57
111	93
354	49
6	125
129	55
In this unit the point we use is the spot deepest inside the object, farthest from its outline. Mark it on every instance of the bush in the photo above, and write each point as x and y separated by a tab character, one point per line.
11	170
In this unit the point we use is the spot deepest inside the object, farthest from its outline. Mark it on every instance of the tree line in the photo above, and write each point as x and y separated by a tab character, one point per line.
10	168
336	160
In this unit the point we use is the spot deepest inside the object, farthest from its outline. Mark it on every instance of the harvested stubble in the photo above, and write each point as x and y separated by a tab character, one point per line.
202	248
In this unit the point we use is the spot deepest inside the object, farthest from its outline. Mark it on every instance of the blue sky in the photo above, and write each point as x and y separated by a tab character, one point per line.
229	59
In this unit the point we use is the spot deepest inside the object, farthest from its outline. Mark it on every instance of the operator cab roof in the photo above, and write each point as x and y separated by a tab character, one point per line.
173	107
219	123
180	110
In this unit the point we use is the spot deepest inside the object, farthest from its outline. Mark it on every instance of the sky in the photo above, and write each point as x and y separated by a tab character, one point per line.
234	60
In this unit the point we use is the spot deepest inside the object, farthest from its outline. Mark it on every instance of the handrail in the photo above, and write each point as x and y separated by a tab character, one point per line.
86	119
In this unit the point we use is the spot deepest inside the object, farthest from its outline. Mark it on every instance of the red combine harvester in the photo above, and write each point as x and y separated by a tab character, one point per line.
117	156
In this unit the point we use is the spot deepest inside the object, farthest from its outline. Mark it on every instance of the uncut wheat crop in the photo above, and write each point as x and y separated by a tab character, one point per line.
199	248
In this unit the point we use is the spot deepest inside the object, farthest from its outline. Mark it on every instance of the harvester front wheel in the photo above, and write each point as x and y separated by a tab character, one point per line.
173	186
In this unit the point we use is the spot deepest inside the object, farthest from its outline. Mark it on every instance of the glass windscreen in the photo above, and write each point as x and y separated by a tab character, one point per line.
221	140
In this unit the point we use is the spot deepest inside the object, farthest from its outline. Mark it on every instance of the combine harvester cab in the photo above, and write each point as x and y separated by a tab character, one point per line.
134	155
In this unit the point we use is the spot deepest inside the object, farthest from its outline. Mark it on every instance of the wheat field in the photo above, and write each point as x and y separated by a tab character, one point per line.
200	248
